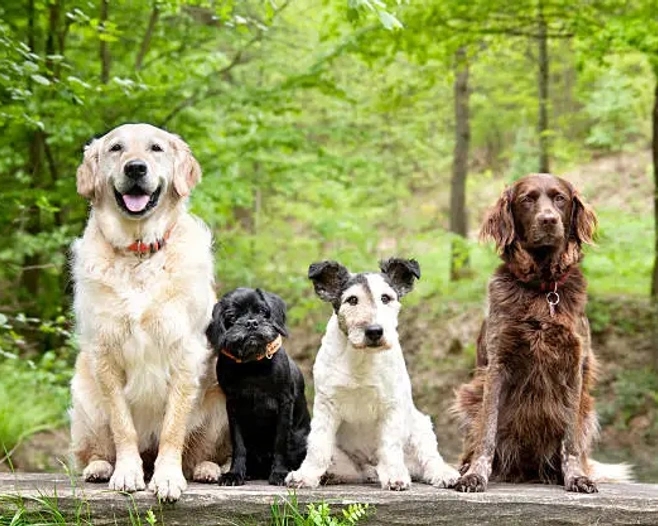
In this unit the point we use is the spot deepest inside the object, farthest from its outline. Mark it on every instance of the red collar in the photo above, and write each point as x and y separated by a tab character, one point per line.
141	248
270	350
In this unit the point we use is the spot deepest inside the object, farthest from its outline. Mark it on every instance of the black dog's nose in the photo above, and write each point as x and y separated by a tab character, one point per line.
252	324
374	332
135	169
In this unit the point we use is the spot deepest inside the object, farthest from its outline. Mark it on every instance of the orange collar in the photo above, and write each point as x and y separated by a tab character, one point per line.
141	248
270	350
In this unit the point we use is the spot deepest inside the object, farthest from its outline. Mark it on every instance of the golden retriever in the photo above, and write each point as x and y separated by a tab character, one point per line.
144	388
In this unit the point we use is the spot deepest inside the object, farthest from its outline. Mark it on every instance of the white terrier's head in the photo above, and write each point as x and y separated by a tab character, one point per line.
366	304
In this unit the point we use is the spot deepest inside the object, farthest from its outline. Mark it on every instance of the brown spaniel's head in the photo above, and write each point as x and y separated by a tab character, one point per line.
539	213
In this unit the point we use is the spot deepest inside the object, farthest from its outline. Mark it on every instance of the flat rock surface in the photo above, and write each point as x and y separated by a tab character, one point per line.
502	504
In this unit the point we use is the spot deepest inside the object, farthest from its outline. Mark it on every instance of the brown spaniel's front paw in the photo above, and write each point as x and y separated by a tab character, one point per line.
471	483
580	485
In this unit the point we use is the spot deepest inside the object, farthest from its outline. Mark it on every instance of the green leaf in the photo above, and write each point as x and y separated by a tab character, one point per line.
389	21
40	79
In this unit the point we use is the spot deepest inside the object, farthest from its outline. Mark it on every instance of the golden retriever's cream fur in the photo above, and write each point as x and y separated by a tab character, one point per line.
144	384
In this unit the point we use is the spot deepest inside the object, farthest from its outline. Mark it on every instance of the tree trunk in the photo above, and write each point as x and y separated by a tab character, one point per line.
458	219
543	79
104	49
654	279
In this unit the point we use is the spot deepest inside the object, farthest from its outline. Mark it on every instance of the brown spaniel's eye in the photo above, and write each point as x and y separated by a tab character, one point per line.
386	299
527	199
352	300
559	199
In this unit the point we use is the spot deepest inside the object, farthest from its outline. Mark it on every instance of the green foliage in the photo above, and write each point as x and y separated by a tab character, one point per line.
287	513
636	394
34	392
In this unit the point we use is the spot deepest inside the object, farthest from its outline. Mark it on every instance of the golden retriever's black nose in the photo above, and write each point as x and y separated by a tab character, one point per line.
374	332
135	169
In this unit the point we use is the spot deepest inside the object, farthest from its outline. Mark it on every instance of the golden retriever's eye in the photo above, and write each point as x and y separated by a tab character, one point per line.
116	147
386	299
156	148
352	300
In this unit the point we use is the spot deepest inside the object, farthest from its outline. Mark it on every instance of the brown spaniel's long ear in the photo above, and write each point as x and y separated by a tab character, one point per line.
498	224
187	172
87	176
583	221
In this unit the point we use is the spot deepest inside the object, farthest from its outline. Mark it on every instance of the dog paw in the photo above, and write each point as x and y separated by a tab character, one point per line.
98	471
278	478
394	477
232	479
168	482
580	485
128	477
299	479
471	483
444	477
206	471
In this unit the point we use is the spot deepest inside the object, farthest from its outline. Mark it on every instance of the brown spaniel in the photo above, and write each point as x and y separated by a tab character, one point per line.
528	414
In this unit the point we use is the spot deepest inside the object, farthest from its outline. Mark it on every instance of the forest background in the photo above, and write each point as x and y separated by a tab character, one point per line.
352	130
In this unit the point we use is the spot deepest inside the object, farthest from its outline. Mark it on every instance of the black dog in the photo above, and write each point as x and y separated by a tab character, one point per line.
264	389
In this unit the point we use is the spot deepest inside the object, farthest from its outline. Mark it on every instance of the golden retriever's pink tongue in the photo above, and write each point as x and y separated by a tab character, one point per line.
135	203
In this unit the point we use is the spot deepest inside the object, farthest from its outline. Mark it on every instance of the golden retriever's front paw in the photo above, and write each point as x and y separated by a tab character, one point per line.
98	471
128	476
300	479
444	477
206	471
168	482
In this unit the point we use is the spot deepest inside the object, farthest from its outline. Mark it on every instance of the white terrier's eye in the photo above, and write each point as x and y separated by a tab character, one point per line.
386	299
156	147
116	147
352	300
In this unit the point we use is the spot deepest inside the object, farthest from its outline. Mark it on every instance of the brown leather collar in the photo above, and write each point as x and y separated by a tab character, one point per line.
270	350
543	286
141	248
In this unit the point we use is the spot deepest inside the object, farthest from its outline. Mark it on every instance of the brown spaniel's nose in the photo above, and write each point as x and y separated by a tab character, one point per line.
547	219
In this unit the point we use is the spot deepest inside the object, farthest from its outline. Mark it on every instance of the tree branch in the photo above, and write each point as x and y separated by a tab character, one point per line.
104	49
148	35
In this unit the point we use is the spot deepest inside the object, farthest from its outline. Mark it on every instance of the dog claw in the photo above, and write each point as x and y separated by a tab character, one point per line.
471	483
580	485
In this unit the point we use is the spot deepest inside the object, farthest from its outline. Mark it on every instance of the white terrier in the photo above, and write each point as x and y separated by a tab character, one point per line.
363	413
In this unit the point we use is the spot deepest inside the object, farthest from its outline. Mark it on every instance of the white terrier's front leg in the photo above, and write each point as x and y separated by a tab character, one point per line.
391	470
321	440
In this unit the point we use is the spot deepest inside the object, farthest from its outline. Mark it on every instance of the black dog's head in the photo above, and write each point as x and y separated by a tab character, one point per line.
245	320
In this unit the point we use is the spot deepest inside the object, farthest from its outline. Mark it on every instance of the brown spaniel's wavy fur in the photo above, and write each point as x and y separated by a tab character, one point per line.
528	414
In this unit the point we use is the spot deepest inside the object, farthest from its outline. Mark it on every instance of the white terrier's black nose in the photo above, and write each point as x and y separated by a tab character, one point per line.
252	324
374	332
135	169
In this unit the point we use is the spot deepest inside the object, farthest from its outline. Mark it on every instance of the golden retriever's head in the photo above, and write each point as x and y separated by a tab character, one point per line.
136	166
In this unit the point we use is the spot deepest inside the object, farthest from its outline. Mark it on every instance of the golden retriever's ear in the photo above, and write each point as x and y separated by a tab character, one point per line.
187	172
583	220
87	175
499	222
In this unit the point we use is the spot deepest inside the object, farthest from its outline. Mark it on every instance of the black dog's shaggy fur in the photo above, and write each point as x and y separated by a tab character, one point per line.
265	401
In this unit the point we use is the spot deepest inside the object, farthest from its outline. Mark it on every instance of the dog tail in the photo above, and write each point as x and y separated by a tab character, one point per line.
618	473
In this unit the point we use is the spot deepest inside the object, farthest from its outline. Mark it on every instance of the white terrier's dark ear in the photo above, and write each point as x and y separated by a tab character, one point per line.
401	273
329	279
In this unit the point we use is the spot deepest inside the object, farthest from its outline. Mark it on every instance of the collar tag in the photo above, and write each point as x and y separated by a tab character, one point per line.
552	298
